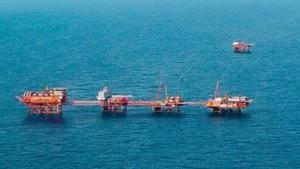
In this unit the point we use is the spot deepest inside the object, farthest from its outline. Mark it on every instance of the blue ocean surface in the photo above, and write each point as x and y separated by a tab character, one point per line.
129	45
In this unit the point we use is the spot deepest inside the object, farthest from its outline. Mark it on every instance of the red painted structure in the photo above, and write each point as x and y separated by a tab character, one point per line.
226	103
241	47
50	101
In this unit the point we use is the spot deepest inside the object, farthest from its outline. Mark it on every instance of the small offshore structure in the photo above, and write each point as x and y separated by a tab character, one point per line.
241	47
168	104
227	103
50	102
112	103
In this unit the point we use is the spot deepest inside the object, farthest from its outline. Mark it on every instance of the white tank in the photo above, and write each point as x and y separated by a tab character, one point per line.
218	99
237	99
104	94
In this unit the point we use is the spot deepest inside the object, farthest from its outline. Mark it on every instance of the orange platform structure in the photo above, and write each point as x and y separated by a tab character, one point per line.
226	103
50	102
241	47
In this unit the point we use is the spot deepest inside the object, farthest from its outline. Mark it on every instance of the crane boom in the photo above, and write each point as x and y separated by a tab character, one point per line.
217	89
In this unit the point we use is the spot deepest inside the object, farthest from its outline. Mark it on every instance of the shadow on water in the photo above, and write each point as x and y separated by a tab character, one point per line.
167	115
113	115
46	119
228	115
243	53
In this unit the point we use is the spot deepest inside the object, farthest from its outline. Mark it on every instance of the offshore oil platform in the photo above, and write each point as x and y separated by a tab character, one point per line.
241	47
51	100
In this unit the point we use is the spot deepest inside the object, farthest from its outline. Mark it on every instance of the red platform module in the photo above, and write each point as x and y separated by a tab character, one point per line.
241	47
227	103
50	102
